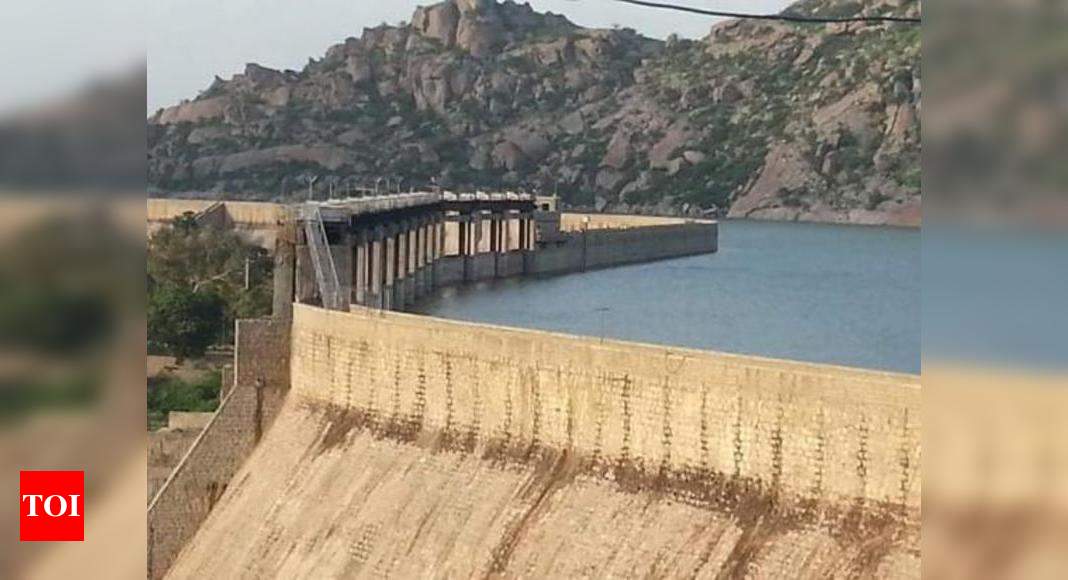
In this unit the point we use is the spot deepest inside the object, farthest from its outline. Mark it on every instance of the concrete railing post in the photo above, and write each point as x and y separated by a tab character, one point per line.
401	277
392	265
508	231
522	233
360	268
378	268
421	261
410	247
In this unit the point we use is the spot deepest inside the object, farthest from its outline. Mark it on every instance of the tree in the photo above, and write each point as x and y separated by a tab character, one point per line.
201	257
211	260
183	322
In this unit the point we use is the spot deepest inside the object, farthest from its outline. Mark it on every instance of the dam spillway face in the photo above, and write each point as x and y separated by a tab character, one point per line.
414	447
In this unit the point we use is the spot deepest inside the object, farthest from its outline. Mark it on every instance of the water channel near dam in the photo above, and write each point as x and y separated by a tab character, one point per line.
847	295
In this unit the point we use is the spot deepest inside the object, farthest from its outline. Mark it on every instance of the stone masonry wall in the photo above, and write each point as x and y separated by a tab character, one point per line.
196	484
810	431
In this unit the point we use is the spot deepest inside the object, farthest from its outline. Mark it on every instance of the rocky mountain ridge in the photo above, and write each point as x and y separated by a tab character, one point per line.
762	120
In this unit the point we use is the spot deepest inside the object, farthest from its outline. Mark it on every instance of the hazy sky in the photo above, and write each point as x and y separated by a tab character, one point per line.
51	48
191	41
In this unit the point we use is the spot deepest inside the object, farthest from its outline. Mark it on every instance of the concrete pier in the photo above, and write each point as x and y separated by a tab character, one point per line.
390	255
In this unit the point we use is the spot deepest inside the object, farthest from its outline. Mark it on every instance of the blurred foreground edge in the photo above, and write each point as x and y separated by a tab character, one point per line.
995	469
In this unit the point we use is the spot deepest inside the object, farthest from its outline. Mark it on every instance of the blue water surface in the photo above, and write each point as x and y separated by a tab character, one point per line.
846	295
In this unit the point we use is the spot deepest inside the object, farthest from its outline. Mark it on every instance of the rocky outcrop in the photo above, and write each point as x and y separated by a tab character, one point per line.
439	22
781	187
194	112
772	121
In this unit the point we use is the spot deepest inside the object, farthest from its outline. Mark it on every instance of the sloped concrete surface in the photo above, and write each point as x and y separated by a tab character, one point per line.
327	494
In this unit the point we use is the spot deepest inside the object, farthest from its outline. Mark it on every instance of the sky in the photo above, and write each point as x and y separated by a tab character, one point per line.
50	49
191	41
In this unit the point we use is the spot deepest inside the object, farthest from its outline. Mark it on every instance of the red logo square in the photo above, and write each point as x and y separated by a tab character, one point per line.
51	506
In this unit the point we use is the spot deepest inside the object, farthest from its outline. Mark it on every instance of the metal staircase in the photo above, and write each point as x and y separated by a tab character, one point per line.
322	259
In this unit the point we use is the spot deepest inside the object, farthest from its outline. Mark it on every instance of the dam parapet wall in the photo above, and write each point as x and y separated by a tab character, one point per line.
587	242
811	432
593	241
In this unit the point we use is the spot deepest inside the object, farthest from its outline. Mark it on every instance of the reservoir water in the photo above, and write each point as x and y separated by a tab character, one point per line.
847	295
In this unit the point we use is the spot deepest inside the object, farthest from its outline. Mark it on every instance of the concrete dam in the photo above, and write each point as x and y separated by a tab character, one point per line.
360	442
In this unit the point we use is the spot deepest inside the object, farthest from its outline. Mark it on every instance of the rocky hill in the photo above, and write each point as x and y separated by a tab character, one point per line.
766	120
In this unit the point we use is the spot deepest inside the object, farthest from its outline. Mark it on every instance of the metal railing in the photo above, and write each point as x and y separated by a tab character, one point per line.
322	259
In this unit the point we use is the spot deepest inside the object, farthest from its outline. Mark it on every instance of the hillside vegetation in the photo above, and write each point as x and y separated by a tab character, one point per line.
769	120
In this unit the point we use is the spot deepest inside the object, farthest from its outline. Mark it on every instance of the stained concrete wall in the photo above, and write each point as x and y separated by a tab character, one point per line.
449	271
593	241
324	497
199	480
452	270
810	431
481	267
629	243
510	264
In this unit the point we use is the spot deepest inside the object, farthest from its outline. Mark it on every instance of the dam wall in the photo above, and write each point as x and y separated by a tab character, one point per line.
817	432
586	242
244	415
256	222
592	241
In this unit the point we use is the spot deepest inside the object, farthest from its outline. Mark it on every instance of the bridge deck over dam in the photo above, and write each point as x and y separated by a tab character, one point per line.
391	251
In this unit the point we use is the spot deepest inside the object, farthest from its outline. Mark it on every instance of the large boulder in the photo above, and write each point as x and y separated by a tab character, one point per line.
475	6
620	152
480	30
431	85
509	156
610	180
694	157
262	76
573	123
533	144
359	68
640	185
678	136
439	22
855	113
481	157
195	111
786	169
202	135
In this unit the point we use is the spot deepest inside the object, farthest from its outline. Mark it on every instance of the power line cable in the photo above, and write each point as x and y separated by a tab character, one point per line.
779	17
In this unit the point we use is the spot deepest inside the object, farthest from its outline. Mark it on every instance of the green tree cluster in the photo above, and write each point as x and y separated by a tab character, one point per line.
200	279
